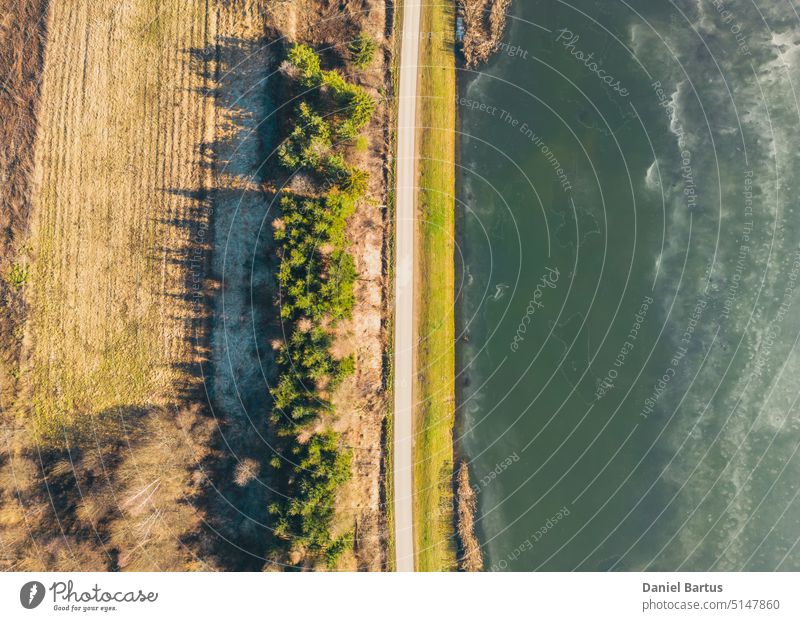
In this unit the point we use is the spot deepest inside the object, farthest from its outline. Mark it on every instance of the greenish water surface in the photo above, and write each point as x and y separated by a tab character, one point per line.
629	250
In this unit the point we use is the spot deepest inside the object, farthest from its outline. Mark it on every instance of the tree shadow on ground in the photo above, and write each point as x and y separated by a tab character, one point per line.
235	318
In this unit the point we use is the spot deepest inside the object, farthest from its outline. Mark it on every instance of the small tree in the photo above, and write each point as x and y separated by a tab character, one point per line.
362	50
338	547
17	276
359	106
355	184
346	368
335	169
307	61
309	142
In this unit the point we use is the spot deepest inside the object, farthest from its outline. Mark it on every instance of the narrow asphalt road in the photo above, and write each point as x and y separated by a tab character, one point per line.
405	193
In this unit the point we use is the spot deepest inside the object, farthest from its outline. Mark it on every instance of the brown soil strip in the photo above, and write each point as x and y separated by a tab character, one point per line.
22	36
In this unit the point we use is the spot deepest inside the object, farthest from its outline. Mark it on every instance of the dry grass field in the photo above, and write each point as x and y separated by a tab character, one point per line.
108	359
119	180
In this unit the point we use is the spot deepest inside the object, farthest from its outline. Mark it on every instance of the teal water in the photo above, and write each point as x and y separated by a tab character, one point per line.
628	316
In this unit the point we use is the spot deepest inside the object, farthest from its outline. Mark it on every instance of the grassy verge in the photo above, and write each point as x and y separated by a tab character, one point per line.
433	451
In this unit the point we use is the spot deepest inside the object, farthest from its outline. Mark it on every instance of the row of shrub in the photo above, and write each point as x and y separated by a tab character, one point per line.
355	105
315	278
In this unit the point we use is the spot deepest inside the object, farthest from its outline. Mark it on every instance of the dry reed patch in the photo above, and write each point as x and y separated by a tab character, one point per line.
471	558
484	23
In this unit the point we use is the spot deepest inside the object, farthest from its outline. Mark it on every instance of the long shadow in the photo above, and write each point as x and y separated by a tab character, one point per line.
234	311
70	490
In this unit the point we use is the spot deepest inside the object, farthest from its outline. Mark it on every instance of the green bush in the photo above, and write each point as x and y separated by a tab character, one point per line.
338	290
315	274
309	143
361	144
305	516
362	51
359	107
17	275
347	366
337	85
338	547
355	184
321	468
307	61
335	169
309	146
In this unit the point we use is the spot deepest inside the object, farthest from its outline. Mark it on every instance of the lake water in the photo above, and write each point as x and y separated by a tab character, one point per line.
628	316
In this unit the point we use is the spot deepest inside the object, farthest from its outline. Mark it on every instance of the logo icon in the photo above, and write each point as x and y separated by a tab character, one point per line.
31	594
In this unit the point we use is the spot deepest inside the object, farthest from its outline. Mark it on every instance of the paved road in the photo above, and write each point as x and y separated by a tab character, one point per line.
405	193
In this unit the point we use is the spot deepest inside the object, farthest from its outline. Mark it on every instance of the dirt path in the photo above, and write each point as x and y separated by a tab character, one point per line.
404	291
